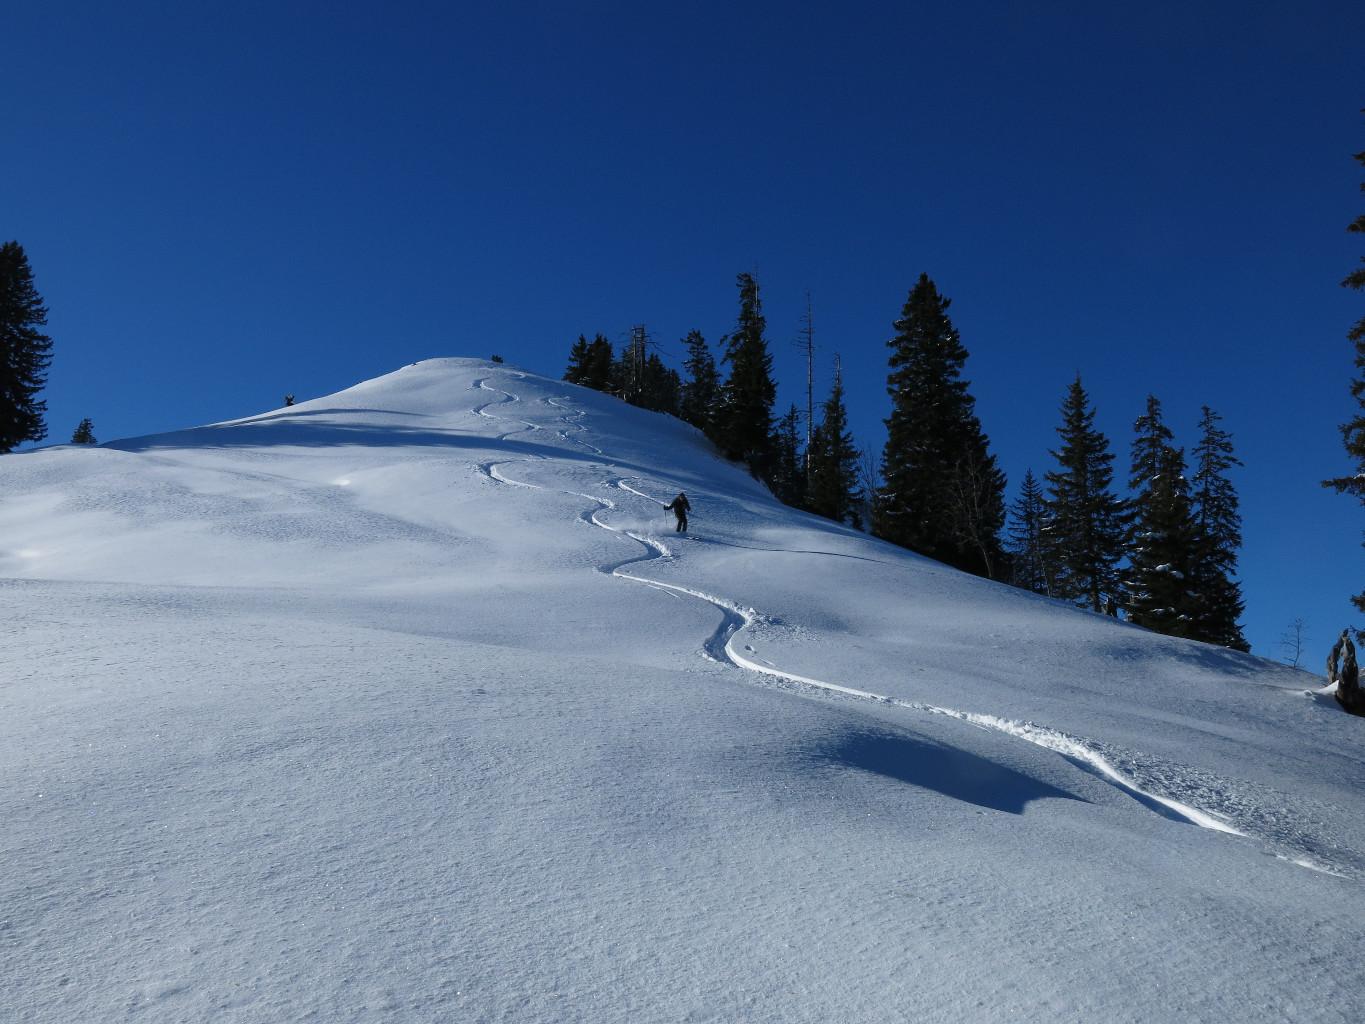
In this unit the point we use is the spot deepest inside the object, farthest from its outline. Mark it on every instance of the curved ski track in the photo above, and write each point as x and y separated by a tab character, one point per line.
720	647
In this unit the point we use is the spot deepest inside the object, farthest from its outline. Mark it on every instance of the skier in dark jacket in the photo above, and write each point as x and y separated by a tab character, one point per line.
680	507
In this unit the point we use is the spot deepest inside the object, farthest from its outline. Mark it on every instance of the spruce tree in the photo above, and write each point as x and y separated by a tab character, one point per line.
1030	567
834	490
577	369
942	493
25	352
84	432
701	390
600	365
1217	527
746	415
1160	576
1353	430
1087	521
788	478
659	387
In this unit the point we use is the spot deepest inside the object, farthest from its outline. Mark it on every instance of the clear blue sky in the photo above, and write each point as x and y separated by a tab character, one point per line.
225	202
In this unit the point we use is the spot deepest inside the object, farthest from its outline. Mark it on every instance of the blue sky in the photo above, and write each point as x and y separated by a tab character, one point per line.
225	202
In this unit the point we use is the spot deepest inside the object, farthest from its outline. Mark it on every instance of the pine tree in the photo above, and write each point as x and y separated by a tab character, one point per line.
1353	430
25	352
834	490
788	477
942	493
659	387
1087	523
84	433
578	361
600	367
1160	576
1216	594
1029	564
746	415
701	390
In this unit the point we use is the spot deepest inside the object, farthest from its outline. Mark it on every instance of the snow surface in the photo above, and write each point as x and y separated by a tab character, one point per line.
407	704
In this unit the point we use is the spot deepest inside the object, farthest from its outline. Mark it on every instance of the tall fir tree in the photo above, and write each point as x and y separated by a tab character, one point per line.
1030	567
1161	553
1353	430
659	387
600	367
746	416
25	351
942	493
84	432
834	489
1217	528
1087	522
788	477
577	369
701	390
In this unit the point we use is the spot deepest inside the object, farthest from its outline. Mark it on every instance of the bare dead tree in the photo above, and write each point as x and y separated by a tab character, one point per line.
1292	642
969	499
869	479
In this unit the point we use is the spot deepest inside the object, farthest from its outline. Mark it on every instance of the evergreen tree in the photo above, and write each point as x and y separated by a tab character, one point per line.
1217	528
745	426
1087	523
600	366
1030	567
1160	575
942	493
84	433
788	478
659	388
834	490
578	361
1353	430
25	352
701	390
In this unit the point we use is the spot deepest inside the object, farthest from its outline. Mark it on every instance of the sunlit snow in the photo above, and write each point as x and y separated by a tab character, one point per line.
407	703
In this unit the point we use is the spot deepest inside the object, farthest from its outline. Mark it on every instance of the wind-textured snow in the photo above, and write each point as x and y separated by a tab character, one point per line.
408	704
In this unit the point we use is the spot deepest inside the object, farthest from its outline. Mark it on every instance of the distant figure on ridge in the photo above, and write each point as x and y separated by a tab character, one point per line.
679	506
288	399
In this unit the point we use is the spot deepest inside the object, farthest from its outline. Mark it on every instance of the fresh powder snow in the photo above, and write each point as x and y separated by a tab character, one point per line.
409	704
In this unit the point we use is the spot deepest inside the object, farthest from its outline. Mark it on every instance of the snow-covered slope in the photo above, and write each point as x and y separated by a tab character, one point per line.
407	704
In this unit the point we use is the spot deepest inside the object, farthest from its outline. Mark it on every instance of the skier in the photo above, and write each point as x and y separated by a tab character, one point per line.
679	506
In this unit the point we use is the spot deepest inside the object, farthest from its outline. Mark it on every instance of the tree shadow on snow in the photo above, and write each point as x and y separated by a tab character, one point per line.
919	761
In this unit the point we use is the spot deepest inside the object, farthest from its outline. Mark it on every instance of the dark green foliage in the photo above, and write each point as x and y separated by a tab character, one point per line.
1087	522
84	433
578	361
1030	567
1353	430
700	400
1160	575
591	363
834	490
1217	528
497	358
942	493
660	387
788	477
745	425
25	352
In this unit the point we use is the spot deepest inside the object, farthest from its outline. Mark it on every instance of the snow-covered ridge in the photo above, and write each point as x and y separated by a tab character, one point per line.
368	695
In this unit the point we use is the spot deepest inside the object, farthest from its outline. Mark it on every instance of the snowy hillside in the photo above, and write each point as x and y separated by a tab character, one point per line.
408	704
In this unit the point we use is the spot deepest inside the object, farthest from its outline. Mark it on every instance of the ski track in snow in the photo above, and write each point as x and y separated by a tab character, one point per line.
720	647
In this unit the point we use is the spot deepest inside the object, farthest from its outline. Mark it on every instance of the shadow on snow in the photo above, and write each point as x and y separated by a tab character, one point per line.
927	764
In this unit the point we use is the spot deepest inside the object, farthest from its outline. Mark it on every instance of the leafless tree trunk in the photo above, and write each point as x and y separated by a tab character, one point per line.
1293	641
